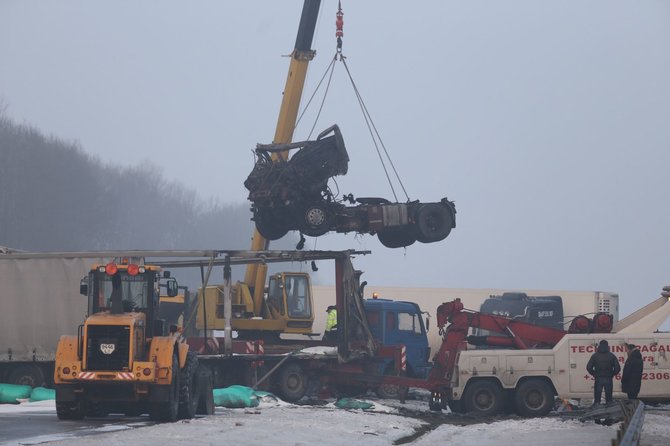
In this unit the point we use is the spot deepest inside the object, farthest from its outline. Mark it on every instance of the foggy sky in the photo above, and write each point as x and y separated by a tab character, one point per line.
546	122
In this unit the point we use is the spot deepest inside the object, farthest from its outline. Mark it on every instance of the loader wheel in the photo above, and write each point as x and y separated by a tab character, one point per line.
168	410
433	222
396	237
534	398
483	398
70	410
292	382
189	392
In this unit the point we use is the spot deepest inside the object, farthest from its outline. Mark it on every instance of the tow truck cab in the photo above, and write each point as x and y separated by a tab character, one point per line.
401	323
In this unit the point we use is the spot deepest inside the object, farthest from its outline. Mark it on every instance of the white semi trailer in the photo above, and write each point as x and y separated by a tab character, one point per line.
40	301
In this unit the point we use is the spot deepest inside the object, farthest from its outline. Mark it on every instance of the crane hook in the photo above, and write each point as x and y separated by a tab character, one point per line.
339	24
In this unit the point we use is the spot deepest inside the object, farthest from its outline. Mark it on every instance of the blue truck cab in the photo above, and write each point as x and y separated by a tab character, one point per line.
401	323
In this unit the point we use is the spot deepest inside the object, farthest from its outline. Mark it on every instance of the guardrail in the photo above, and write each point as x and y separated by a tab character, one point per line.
630	430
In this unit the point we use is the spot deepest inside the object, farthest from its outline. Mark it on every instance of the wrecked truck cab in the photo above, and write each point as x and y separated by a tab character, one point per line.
292	194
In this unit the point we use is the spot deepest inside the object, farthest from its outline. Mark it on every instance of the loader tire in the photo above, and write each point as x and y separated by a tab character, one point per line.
534	398
433	222
292	382
188	387
483	398
167	411
70	410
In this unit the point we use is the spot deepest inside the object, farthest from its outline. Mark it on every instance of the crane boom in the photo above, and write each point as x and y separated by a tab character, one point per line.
288	112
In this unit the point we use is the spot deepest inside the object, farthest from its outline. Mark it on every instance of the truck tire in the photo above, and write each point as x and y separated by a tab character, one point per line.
271	226
396	237
534	398
388	391
168	410
483	397
316	220
188	387
433	222
70	410
206	387
27	374
292	382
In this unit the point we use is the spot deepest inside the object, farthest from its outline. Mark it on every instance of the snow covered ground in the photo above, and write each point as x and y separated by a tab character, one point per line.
281	424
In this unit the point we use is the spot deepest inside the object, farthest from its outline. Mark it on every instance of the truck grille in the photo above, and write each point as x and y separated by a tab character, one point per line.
108	347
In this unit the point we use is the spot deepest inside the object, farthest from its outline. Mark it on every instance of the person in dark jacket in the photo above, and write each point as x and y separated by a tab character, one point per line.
631	379
603	366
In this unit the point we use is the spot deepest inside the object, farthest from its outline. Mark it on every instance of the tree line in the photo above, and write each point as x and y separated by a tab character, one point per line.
56	197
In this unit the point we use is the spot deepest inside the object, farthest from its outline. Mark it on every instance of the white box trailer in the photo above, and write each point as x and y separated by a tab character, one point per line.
485	379
40	301
574	302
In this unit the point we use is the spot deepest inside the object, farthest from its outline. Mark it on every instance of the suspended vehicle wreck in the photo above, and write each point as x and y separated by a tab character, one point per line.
293	195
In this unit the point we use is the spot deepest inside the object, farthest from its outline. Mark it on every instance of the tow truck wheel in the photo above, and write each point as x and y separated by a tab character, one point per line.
168	410
433	222
189	392
534	398
483	398
292	382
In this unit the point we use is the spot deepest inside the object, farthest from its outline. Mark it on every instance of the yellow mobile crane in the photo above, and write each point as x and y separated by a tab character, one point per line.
289	305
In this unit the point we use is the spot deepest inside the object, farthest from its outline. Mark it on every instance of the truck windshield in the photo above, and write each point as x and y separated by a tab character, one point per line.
134	291
409	322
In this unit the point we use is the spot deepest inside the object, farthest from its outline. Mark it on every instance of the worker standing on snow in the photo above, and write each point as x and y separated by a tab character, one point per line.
631	378
603	366
331	324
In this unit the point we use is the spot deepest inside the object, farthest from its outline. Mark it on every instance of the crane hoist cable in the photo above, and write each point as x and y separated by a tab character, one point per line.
372	128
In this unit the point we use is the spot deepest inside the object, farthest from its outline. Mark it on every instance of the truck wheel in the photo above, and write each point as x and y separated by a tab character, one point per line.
456	406
27	374
483	398
189	392
433	222
534	398
292	382
316	220
272	226
396	237
70	410
168	410
206	387
388	391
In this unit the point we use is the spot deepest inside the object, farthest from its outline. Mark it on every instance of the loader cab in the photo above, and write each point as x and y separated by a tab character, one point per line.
127	288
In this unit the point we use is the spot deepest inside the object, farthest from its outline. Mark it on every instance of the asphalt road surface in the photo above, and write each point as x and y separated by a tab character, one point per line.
40	426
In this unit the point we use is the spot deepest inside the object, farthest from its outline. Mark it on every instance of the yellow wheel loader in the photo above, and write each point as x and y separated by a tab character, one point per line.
124	358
